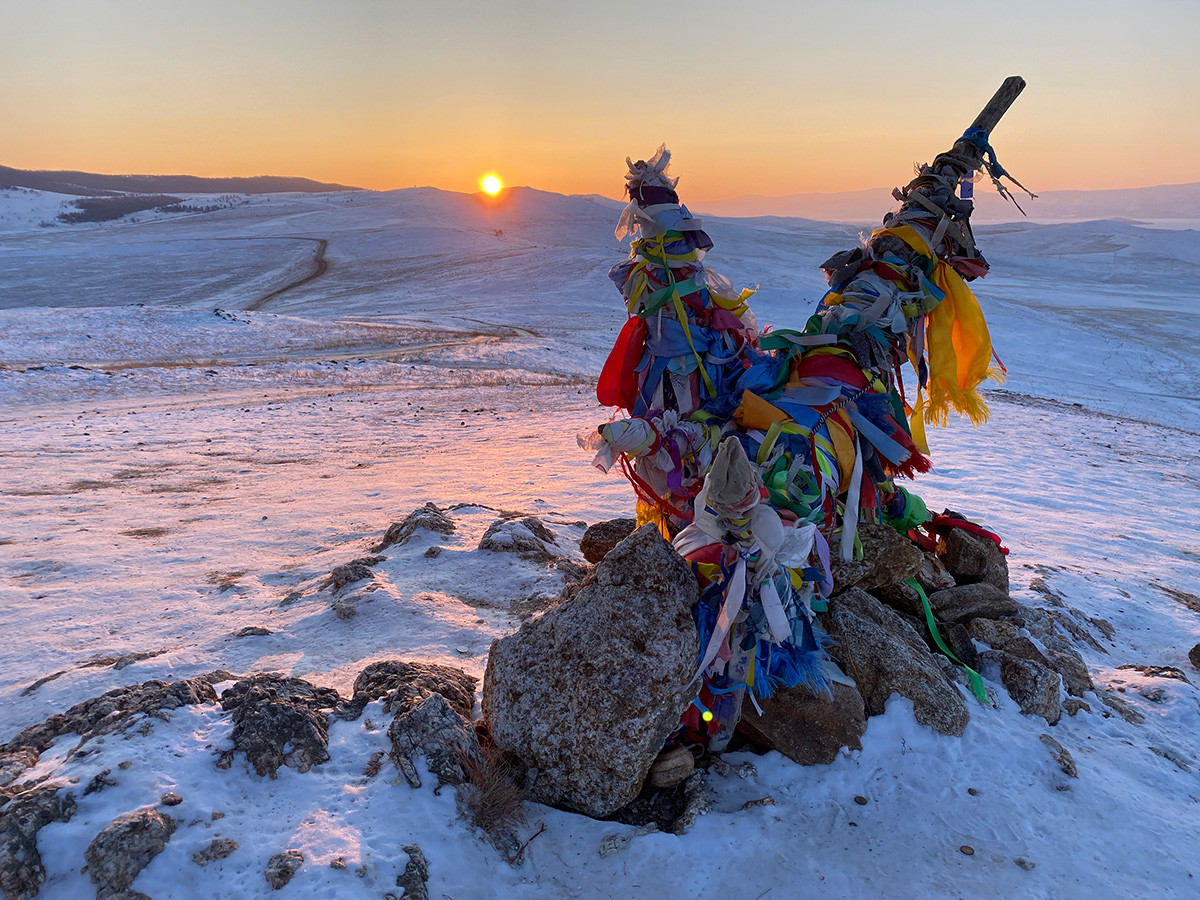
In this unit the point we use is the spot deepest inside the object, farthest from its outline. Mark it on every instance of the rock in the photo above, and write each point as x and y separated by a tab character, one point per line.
428	517
21	869
14	762
402	685
113	710
1073	705
124	847
1061	755
885	655
972	601
252	631
587	693
902	598
1121	708
893	557
282	866
1059	655
345	607
1157	671
415	875
1194	656
933	575
527	536
993	632
446	739
846	575
170	798
603	536
672	768
972	559
218	849
273	714
696	802
353	571
99	782
959	641
806	728
1033	686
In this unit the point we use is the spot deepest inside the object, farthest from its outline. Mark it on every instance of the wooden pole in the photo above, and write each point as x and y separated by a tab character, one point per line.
999	104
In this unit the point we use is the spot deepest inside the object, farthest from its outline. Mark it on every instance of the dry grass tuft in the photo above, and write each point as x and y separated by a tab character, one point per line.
491	800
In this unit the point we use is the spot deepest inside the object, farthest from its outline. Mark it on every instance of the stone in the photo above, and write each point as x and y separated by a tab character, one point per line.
893	557
972	601
415	877
1194	656
218	849
252	631
885	656
972	559
1157	671
993	632
958	639
282	866
1073	705
280	721
434	729
401	685
21	869
603	536
671	768
428	517
14	762
1033	686
354	571
527	536
846	575
124	847
901	598
170	798
1061	755
810	729
586	693
1121	708
113	710
933	575
1073	669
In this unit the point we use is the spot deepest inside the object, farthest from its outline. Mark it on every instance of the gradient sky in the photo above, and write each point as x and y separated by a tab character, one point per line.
752	96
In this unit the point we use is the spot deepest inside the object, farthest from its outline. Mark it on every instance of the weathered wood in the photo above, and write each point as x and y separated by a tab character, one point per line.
999	104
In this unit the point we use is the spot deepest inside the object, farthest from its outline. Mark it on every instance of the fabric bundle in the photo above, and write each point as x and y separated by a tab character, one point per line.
759	453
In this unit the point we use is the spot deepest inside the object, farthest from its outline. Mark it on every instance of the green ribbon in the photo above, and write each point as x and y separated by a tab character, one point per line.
977	687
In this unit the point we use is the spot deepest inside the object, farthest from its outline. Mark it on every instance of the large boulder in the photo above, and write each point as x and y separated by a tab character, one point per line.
808	728
886	656
972	559
586	693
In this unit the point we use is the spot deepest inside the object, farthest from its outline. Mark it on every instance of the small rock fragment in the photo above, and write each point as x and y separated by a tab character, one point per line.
672	767
1061	755
1025	864
170	798
1073	705
252	631
1194	656
282	866
860	800
339	863
218	849
415	875
966	850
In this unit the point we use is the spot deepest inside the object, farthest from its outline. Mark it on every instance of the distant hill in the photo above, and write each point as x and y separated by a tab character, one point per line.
92	185
1173	201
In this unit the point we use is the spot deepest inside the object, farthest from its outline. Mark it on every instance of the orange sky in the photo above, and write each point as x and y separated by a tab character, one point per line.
755	97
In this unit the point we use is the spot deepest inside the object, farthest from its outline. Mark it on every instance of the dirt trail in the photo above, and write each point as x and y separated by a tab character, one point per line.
320	268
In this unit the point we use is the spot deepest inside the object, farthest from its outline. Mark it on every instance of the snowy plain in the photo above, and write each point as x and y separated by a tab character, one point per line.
196	431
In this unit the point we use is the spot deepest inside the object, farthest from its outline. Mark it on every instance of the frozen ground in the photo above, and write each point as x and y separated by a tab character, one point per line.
188	451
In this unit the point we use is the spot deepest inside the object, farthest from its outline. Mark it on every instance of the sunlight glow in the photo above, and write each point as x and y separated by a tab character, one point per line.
491	185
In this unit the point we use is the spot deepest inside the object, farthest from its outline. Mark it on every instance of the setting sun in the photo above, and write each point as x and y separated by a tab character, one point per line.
491	185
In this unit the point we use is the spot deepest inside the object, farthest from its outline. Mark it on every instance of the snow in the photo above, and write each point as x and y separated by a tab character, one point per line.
187	455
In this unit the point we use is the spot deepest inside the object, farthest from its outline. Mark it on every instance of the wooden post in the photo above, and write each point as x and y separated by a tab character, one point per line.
999	104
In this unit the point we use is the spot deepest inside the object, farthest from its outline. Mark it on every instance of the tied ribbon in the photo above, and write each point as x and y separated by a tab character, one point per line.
976	682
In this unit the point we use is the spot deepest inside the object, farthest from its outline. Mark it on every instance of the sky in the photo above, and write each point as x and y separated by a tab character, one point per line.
753	97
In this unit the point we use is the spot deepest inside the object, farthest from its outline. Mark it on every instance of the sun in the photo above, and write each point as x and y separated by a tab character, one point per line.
491	185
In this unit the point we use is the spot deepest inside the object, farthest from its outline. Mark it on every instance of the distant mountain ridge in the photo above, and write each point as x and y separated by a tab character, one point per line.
1169	201
91	184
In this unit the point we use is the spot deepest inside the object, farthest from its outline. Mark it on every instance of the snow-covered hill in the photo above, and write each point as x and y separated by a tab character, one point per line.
200	422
